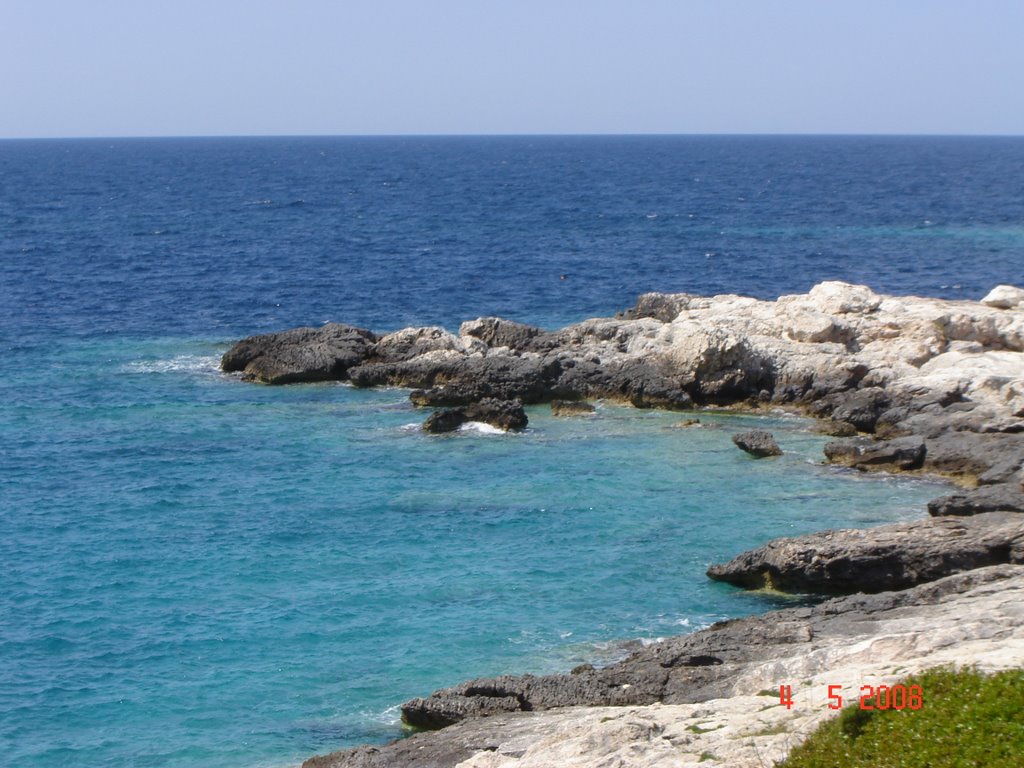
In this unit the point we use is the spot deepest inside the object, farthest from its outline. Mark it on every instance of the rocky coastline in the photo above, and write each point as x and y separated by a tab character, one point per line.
905	384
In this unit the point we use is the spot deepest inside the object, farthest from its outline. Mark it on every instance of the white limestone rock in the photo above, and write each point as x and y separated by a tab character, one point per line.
1004	297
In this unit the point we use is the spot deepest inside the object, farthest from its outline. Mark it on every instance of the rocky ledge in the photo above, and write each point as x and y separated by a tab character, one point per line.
713	696
909	384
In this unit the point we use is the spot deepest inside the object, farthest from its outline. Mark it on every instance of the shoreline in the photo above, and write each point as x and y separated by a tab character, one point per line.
906	384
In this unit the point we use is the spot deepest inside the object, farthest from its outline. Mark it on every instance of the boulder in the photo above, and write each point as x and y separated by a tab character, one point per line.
300	355
758	443
1004	297
502	414
904	453
889	557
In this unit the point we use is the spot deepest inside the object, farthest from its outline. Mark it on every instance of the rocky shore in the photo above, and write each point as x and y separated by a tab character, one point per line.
905	384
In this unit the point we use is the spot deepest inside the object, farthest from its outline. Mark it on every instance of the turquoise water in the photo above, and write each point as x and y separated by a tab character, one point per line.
200	572
203	572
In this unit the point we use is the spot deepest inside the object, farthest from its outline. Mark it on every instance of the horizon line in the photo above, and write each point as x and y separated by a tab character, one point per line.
595	134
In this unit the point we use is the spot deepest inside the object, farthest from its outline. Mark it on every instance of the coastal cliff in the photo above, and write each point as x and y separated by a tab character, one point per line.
907	384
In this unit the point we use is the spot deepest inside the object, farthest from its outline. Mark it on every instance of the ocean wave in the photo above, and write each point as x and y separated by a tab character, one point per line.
177	364
480	428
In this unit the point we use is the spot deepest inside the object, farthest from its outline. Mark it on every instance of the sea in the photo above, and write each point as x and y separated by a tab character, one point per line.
200	571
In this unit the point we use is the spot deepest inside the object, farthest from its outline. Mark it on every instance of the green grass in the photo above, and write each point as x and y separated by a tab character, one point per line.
967	720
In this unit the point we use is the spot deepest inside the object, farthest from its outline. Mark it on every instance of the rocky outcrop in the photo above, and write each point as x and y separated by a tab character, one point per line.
502	414
889	557
1001	497
902	453
300	355
860	361
757	442
712	696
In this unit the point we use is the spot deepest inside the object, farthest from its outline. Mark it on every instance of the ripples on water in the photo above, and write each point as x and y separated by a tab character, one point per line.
198	571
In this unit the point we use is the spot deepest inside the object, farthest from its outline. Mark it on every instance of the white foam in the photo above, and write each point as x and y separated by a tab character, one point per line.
480	428
178	364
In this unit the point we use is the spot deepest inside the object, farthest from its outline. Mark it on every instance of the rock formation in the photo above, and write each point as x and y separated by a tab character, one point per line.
908	384
889	557
501	414
757	442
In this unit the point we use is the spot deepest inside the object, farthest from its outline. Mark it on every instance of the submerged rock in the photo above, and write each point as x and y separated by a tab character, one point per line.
889	557
758	443
571	408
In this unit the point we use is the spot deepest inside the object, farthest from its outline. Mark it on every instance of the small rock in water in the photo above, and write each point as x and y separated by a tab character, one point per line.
570	408
686	423
758	443
503	414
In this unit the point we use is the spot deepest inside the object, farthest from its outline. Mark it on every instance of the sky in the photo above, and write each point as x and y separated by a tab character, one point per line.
258	67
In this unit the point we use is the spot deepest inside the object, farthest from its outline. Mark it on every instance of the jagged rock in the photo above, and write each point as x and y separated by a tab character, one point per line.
757	442
889	557
902	453
660	306
955	449
1005	471
496	332
860	407
300	355
835	428
502	414
1004	297
571	408
411	343
1004	497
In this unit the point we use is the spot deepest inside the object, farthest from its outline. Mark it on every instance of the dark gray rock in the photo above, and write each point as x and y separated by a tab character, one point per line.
889	557
300	355
757	442
571	408
903	453
967	453
858	407
660	306
496	332
1005	497
502	414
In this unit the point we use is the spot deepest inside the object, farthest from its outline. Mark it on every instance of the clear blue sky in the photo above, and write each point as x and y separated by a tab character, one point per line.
212	67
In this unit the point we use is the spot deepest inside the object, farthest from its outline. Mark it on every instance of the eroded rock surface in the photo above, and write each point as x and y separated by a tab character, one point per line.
757	442
889	557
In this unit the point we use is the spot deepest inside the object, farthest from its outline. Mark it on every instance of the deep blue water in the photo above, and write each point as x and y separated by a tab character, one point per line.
200	572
